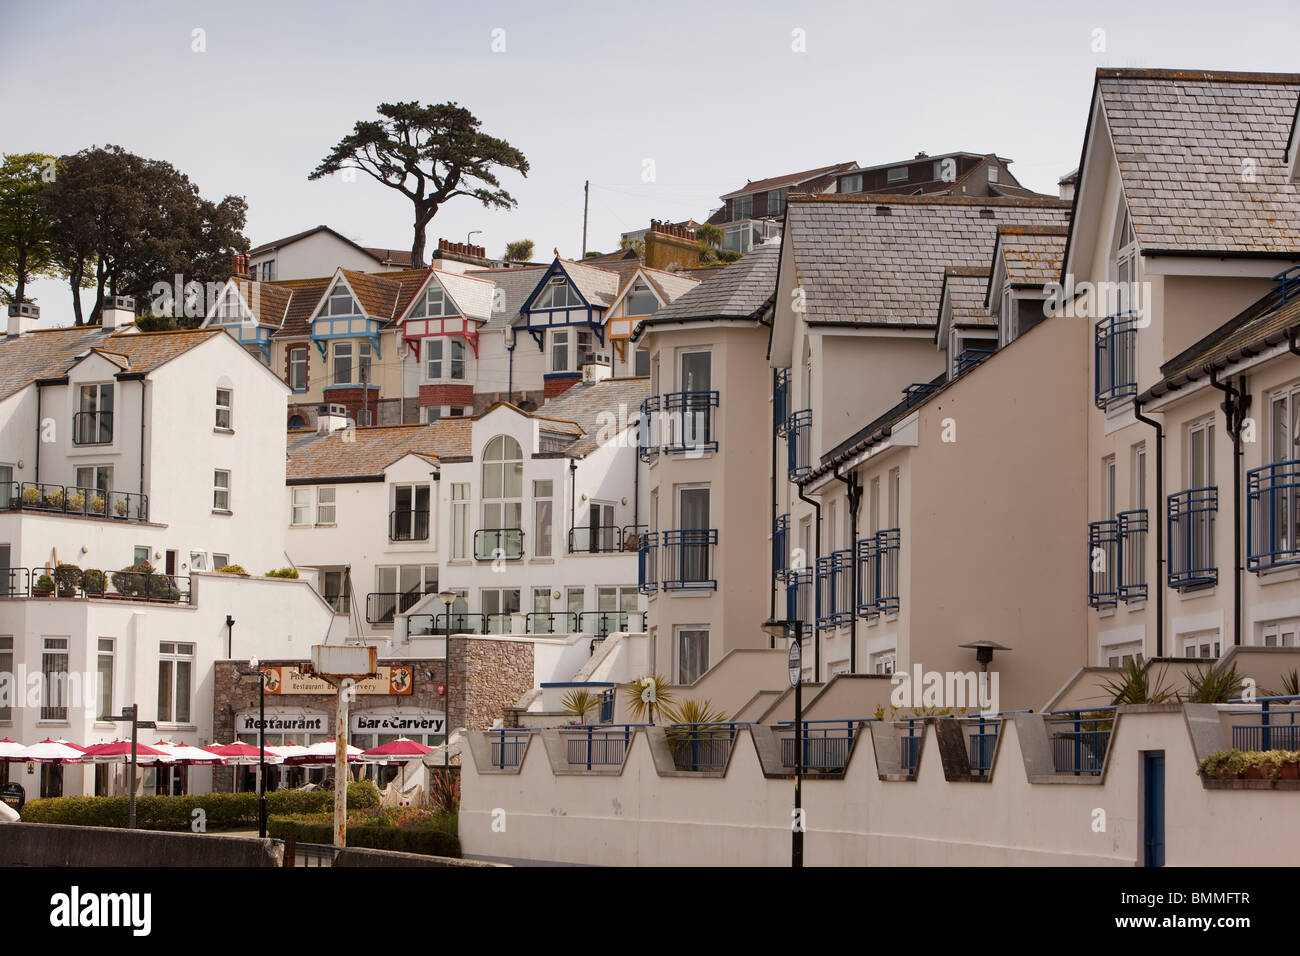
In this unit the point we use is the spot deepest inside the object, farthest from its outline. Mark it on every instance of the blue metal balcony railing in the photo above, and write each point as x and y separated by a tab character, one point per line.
607	706
835	588
92	428
1103	562
781	547
504	544
73	500
1273	516
688	559
799	597
982	741
591	746
647	564
826	743
878	572
1191	537
701	747
648	430
1115	353
508	745
1132	571
1288	284
918	392
1272	732
798	438
691	423
781	401
967	359
868	578
910	744
1079	739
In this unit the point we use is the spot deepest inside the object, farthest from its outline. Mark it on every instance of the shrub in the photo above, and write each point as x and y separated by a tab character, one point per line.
92	581
97	505
119	506
67	577
404	829
44	583
283	573
77	501
31	497
222	810
231	569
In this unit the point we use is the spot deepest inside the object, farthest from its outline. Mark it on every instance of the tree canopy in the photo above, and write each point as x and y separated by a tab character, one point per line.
521	250
25	248
430	154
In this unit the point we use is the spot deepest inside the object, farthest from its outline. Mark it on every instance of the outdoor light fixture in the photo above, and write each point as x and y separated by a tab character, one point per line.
984	651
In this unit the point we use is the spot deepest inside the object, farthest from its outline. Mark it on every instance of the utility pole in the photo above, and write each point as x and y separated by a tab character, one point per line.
586	198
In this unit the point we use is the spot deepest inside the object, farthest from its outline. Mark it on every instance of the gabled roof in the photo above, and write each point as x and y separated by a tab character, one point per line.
667	286
396	257
516	284
51	353
789	179
358	453
304	296
382	295
597	284
959	154
1031	255
860	265
598	408
740	291
268	304
1202	158
963	286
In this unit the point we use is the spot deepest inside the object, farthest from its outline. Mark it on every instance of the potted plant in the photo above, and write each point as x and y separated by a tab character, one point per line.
93	581
647	695
77	501
97	505
580	703
67	578
119	507
134	580
231	569
44	586
54	498
31	497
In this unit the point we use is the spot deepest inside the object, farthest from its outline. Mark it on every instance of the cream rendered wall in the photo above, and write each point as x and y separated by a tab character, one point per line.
847	396
318	255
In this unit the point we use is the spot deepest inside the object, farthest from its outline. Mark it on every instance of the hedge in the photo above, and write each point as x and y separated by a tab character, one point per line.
429	840
223	811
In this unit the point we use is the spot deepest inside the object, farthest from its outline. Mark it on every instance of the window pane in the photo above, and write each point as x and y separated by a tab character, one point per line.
164	690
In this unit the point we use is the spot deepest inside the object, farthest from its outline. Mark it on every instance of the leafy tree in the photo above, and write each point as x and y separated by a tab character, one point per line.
636	245
709	239
519	251
430	154
137	223
25	248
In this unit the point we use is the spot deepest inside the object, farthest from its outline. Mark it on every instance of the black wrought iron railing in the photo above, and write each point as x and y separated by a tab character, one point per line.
382	606
74	500
499	544
92	428
67	581
408	526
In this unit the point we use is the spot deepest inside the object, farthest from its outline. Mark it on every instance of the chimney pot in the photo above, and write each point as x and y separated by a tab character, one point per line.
119	310
23	317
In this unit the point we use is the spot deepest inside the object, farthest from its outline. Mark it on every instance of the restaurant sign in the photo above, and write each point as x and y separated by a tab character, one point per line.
283	722
391	679
404	723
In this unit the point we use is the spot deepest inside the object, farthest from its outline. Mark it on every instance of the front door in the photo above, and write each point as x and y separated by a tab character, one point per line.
1153	816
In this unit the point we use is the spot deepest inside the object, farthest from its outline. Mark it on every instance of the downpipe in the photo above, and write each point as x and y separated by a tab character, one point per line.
1235	403
1160	525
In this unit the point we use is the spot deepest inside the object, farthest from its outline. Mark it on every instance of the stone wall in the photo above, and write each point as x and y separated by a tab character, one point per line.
499	673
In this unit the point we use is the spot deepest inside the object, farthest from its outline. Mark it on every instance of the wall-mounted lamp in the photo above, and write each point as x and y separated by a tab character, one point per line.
555	595
21	464
625	501
84	549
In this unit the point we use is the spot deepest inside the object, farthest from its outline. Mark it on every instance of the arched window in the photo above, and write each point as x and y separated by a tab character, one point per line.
297	422
503	493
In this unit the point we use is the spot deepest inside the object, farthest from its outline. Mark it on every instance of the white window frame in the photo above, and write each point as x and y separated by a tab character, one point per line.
218	489
681	673
175	653
298	361
227	407
322	518
300	501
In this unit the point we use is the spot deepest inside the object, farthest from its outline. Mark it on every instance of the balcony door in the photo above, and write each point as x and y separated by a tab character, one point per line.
601	534
693	512
400	587
95	415
696	377
1283	498
503	505
410	520
1200	474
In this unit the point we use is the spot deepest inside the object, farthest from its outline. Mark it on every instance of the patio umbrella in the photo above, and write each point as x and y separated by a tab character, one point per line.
322	754
51	751
242	753
396	751
11	752
287	751
185	754
119	751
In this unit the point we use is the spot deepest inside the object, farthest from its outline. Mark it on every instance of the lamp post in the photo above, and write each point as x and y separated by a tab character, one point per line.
132	713
261	743
447	597
777	629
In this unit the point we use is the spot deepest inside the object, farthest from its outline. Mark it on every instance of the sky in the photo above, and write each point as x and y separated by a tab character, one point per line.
662	106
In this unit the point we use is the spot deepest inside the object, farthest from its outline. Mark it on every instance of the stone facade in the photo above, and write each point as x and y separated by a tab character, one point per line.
499	673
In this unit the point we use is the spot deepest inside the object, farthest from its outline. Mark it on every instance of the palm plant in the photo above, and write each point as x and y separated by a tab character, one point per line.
1213	685
1136	685
646	696
580	703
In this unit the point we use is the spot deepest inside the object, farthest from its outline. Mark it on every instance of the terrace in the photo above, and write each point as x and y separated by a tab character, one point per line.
69	582
73	500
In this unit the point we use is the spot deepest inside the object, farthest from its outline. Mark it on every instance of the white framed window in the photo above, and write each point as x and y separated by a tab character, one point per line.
1139	483
884	662
221	490
1200	454
1121	655
497	605
94	418
199	561
543	521
852	183
298	369
692	654
575	600
560	350
223	408
54	678
444	359
342	363
434	304
503	487
268	270
325	513
175	681
409	520
341	303
558	294
896	174
460	535
1280	634
742	207
141	556
95	479
640	300
1202	644
104	674
300	514
220	560
365	418
895	497
993	172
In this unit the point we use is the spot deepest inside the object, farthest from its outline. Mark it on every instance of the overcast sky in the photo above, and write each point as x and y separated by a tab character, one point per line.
712	94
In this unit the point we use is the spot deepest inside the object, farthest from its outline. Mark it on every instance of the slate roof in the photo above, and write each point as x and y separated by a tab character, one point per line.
789	179
473	295
671	286
517	284
965	287
1032	255
740	291
619	399
858	266
1183	138
597	284
315	456
50	353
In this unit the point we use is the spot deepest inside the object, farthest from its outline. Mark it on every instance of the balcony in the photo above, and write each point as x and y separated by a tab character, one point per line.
967	359
1115	353
586	748
798	438
688	557
1273	516
826	743
551	622
878	557
799	597
781	547
648	431
507	746
92	428
701	747
1277	728
604	623
1079	739
1191	537
647	565
381	606
1132	555
499	544
1103	563
835	589
604	539
73	500
781	401
436	625
690	422
408	526
918	392
131	584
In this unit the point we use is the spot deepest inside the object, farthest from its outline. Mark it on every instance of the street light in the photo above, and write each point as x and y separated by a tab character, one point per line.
132	713
775	629
446	597
261	742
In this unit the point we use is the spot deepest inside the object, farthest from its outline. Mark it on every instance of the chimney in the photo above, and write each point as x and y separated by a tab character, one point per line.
23	317
596	369
118	311
239	266
331	418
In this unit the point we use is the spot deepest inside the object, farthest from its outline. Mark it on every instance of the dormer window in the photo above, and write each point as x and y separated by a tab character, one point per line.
897	174
851	184
640	301
742	208
434	304
993	173
558	294
340	303
1124	265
